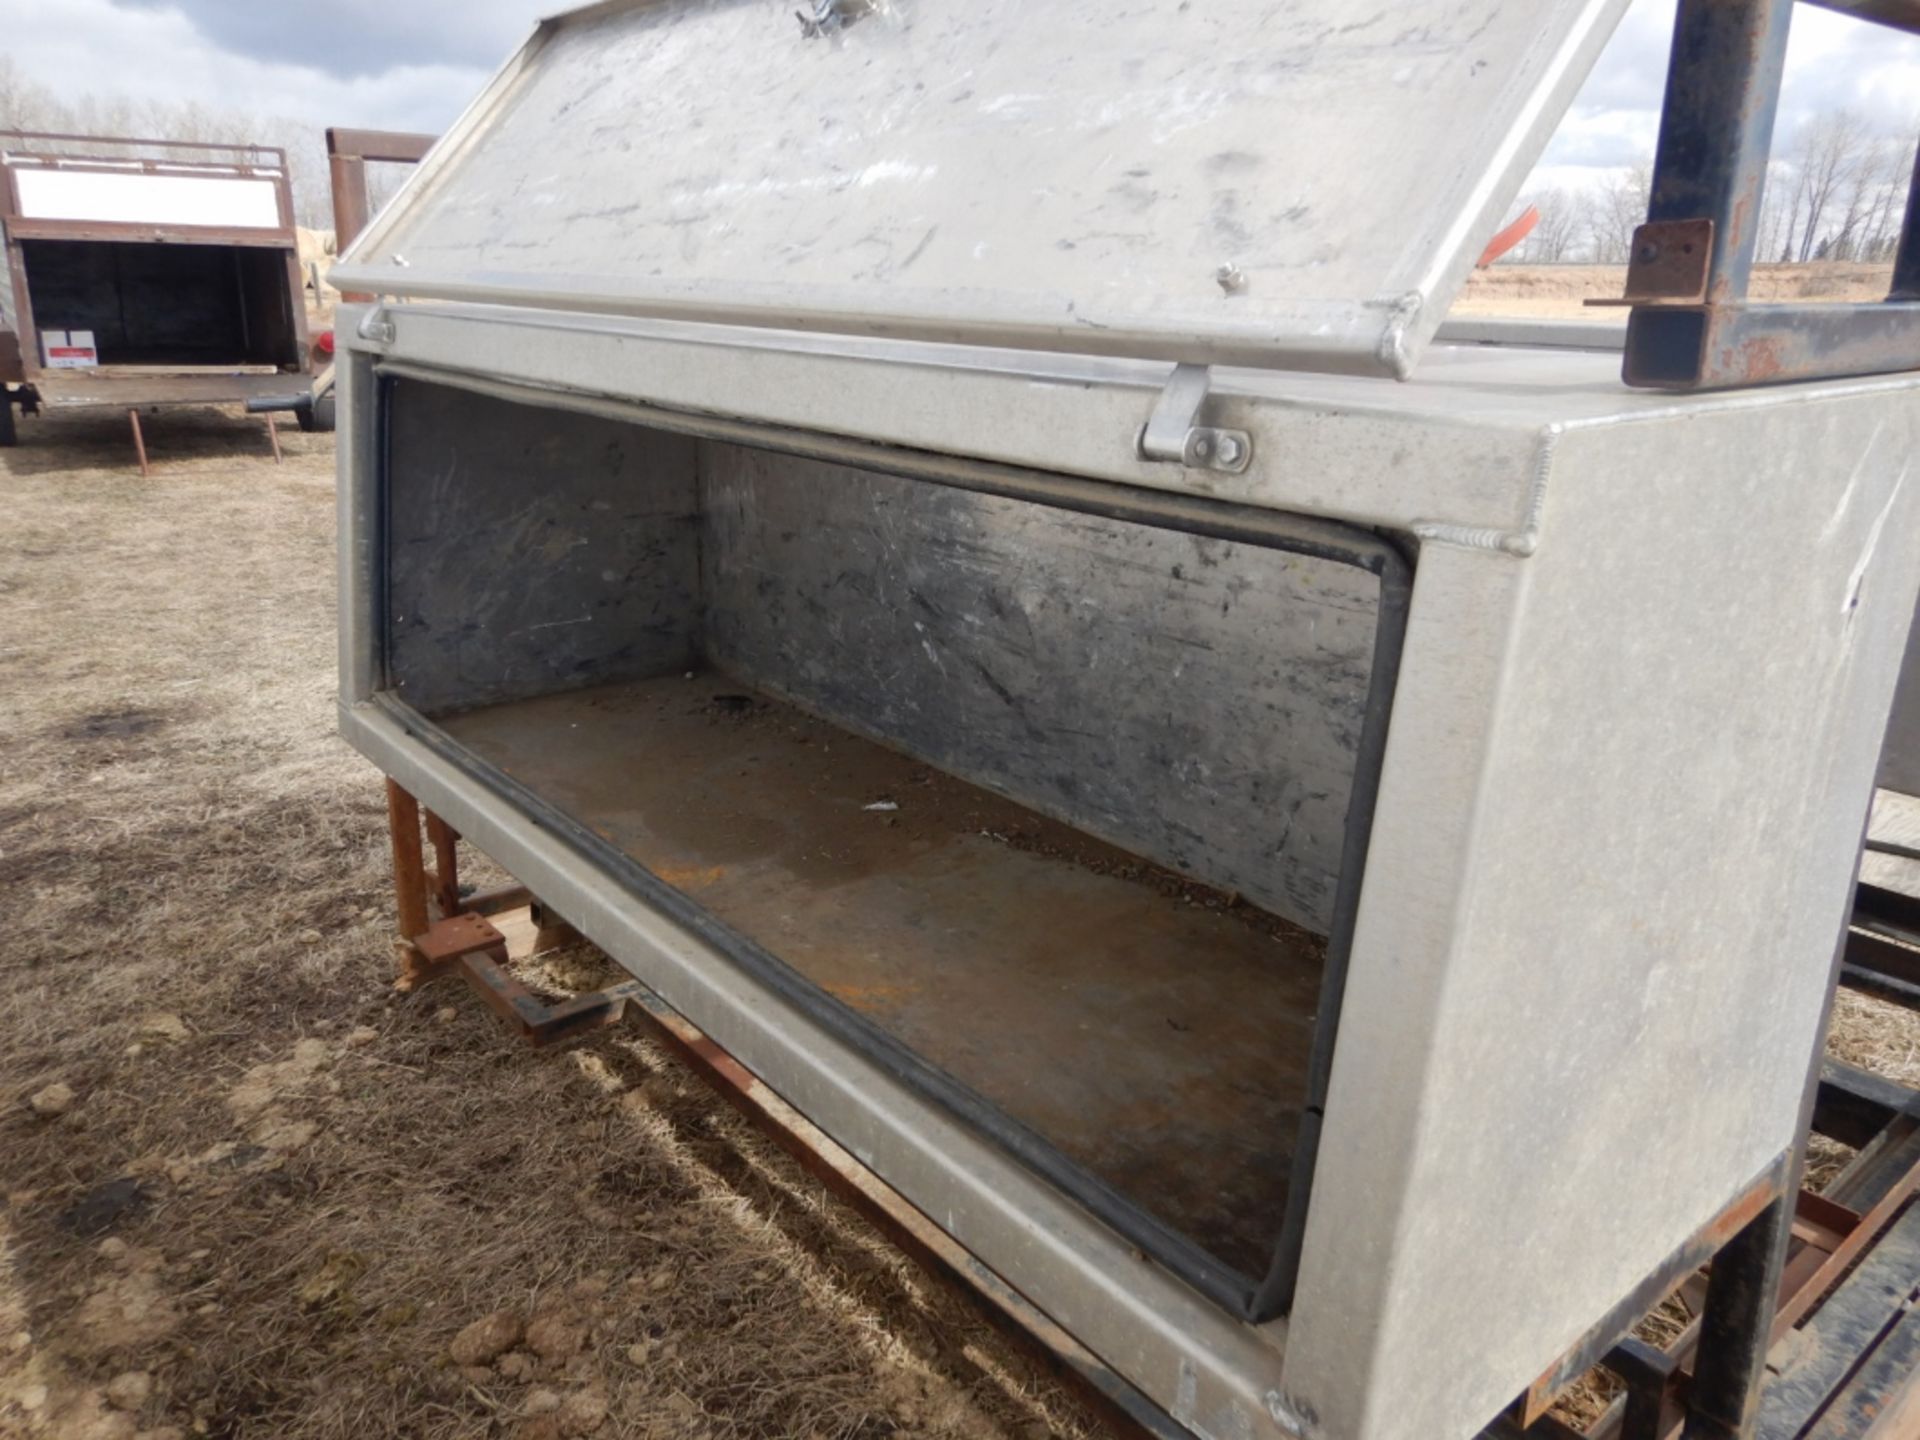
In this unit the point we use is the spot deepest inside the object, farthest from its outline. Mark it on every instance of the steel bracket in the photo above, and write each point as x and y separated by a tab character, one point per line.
446	943
1670	262
1173	432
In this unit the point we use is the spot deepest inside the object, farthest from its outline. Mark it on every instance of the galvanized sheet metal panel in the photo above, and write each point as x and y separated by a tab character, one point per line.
530	557
1192	700
1900	755
1618	822
1195	701
1293	183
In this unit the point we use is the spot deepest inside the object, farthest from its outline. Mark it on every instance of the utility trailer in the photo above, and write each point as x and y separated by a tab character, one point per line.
143	273
1304	860
348	154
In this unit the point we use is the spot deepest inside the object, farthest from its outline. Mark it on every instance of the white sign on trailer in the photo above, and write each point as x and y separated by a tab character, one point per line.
138	197
68	349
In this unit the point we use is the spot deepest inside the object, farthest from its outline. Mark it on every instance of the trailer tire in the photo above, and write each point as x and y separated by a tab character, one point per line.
9	427
319	415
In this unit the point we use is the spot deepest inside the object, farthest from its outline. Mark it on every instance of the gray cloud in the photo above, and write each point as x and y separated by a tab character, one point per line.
354	38
1832	63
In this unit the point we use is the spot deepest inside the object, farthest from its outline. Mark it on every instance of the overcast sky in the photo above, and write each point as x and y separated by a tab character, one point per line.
412	64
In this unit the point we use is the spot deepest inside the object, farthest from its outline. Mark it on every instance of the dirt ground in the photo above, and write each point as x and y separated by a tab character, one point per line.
250	1191
1560	292
277	1192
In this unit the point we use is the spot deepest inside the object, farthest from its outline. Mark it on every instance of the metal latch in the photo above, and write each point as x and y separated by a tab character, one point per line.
1171	433
376	325
831	15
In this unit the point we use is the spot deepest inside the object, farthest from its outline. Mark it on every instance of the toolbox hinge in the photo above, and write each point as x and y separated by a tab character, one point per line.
1172	433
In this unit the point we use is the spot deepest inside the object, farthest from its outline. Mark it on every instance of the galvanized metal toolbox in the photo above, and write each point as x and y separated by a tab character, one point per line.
939	537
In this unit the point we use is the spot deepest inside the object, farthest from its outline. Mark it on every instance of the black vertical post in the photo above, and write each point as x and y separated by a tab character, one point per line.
1716	128
1743	1287
1906	259
1648	1373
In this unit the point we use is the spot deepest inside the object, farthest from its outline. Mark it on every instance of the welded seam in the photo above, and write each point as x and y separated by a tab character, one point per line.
1518	543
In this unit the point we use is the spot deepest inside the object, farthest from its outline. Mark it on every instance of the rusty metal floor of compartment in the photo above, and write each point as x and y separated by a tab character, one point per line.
1155	1031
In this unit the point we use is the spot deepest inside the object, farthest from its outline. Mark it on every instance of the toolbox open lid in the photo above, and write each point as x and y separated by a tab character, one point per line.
1289	183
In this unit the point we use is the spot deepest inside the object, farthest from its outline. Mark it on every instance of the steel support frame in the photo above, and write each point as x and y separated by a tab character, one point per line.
1692	326
348	152
1882	956
1729	1248
441	932
1704	1381
418	890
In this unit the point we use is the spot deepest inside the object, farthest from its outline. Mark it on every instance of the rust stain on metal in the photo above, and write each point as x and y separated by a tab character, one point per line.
447	942
446	867
1670	262
976	932
1760	359
409	867
869	997
690	877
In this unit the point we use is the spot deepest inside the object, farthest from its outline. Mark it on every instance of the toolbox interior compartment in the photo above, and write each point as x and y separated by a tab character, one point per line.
1050	804
166	305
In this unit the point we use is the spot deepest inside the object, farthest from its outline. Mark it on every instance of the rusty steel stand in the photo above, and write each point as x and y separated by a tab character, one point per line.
442	932
140	440
139	444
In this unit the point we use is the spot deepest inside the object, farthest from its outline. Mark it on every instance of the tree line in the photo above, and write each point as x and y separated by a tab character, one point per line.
27	105
1836	192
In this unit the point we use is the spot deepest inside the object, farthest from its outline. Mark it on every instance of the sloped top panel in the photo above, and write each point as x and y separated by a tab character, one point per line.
1279	182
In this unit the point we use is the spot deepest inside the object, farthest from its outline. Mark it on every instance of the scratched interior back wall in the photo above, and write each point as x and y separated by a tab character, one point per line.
532	550
1195	701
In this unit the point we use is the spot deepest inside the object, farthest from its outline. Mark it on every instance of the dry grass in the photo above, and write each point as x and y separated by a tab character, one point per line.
1560	292
282	1189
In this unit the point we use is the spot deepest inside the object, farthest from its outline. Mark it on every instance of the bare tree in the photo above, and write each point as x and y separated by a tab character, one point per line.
1827	156
1836	192
1779	213
1558	231
1614	210
26	105
1893	173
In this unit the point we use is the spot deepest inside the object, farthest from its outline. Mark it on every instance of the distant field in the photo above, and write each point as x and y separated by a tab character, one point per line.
1559	292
